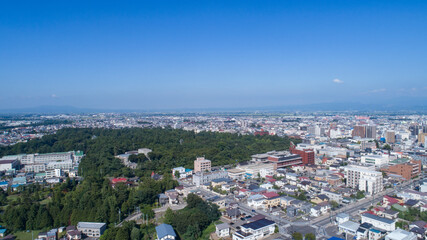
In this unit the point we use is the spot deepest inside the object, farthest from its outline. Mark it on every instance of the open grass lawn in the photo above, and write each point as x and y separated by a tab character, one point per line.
45	201
24	235
12	197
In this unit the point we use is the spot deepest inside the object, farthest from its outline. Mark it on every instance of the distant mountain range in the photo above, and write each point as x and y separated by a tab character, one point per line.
322	107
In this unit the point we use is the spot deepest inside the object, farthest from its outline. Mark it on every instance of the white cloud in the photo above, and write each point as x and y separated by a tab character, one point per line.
336	80
54	96
378	90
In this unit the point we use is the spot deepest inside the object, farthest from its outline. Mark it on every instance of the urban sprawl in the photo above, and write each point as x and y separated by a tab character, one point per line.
346	176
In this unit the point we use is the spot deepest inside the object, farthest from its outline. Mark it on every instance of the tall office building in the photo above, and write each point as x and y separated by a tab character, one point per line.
371	131
202	165
358	131
390	137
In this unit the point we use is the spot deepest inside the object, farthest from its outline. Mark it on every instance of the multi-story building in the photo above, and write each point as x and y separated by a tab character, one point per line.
422	137
35	168
364	178
202	165
285	160
358	131
371	131
201	178
408	169
7	165
390	137
307	155
377	160
91	229
379	222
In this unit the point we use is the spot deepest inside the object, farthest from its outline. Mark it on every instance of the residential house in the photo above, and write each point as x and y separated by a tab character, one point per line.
400	234
165	232
349	227
298	208
376	234
333	196
222	230
232	213
342	217
74	235
286	200
320	198
256	201
255	230
172	194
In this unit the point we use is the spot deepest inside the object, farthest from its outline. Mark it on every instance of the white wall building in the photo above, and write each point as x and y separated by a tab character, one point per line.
377	160
364	178
255	230
400	234
379	222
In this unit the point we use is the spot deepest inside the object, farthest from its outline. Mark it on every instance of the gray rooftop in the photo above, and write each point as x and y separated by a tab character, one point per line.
90	225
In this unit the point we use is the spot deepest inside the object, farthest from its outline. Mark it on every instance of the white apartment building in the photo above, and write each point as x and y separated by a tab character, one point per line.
54	173
202	178
35	168
364	178
377	160
379	222
65	165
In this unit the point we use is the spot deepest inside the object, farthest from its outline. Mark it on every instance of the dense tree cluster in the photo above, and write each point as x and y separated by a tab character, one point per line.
91	200
94	199
194	218
171	148
130	231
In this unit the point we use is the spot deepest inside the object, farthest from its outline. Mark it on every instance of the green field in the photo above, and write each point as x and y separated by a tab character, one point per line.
24	235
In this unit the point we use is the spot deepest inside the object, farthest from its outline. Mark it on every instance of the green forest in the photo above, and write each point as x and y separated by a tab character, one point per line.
171	148
37	207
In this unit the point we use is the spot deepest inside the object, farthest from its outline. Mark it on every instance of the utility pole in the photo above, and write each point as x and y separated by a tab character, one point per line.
120	215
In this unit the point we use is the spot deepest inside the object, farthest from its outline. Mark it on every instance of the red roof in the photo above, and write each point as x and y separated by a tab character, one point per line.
117	180
272	180
390	199
270	194
370	212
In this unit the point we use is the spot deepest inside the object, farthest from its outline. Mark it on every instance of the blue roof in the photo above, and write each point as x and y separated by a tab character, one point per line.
188	170
374	230
4	183
335	238
258	224
2	230
164	230
218	180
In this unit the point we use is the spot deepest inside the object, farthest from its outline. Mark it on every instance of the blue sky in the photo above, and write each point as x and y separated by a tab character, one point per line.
211	54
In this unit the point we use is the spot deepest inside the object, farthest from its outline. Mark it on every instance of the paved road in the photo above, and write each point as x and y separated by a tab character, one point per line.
173	207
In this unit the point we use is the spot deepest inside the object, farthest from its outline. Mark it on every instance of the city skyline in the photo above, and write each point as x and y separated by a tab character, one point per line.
212	55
